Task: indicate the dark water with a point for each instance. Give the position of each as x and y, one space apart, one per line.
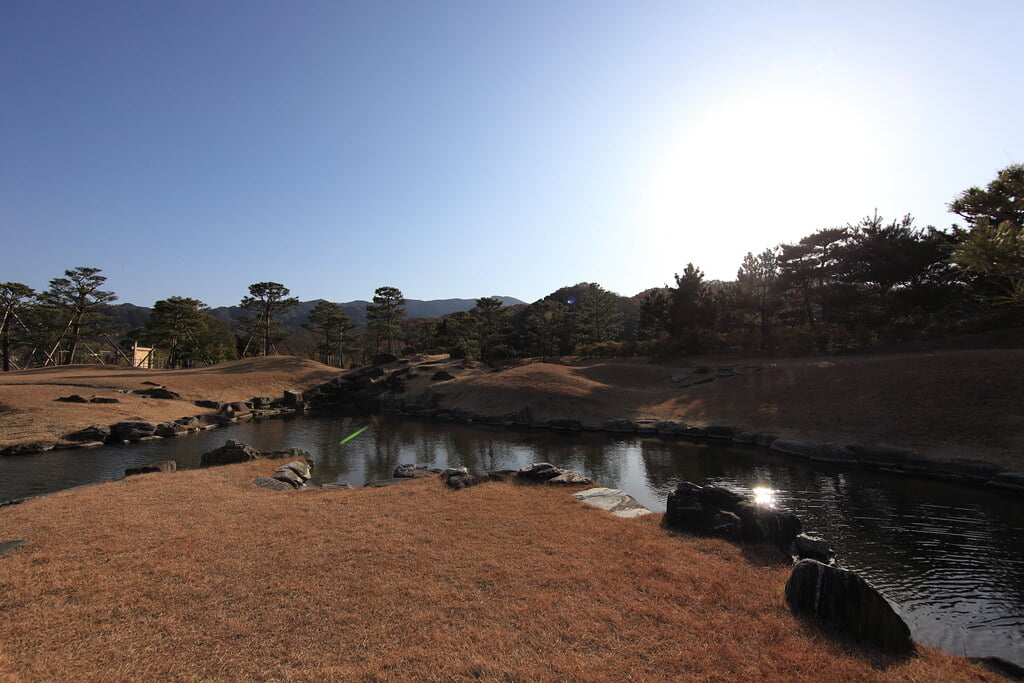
949 558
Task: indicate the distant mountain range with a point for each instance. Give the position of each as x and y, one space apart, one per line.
133 316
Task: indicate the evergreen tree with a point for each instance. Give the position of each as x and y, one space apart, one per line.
332 325
13 298
993 247
184 328
460 334
654 322
546 326
80 302
266 301
384 316
758 284
494 328
594 317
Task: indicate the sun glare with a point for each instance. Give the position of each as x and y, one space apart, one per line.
764 496
763 166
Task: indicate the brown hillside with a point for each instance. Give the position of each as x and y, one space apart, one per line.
950 404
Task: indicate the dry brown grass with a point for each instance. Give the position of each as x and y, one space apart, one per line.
950 404
32 414
200 575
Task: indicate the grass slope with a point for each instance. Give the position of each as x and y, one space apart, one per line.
200 575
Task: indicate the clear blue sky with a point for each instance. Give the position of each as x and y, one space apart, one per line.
462 149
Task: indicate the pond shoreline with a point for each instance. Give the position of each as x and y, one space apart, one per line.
444 386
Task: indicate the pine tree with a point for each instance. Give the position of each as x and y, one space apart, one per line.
78 298
13 297
266 301
384 316
332 325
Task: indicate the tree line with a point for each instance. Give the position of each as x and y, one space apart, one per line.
865 284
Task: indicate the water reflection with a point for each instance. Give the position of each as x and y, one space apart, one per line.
950 558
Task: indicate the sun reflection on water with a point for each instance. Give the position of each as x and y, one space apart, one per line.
764 496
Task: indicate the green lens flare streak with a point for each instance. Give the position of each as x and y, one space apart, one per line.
353 435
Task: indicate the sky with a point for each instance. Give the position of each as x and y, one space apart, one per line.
466 149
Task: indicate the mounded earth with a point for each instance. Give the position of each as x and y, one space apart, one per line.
943 405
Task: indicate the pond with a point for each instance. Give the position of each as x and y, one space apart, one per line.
950 558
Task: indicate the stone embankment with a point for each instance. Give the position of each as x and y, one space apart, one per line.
375 388
137 431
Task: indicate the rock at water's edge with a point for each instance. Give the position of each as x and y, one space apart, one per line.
231 452
845 602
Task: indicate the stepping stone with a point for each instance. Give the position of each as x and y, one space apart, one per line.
614 501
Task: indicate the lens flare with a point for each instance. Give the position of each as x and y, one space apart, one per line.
353 435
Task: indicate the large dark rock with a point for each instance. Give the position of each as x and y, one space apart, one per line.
73 398
131 430
207 403
667 427
289 476
619 425
272 484
231 452
831 453
461 477
158 392
720 432
806 547
441 376
717 511
720 497
91 433
764 524
383 359
292 399
703 510
537 473
170 429
103 399
410 471
30 448
846 603
261 402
